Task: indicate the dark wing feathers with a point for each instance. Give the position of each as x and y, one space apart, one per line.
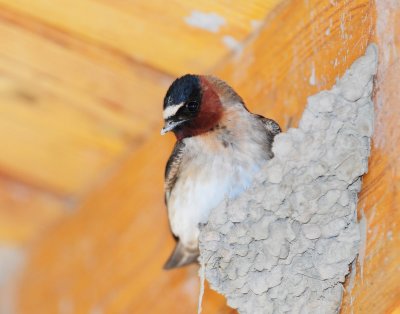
272 129
181 255
270 125
172 167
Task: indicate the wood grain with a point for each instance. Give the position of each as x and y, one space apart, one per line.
107 256
302 49
76 114
376 287
152 32
25 212
115 246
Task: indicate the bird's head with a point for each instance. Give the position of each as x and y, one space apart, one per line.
194 104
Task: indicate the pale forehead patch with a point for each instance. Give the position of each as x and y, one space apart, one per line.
171 110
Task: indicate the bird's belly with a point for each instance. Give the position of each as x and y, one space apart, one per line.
200 189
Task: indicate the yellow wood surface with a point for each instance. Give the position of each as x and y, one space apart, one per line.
376 287
274 72
25 211
153 32
75 108
82 82
82 161
109 254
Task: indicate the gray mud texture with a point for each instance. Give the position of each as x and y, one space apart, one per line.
285 245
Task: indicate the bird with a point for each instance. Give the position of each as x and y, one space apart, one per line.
220 147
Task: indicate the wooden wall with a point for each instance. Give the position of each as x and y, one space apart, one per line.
82 160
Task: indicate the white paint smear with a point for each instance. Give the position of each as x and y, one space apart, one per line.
232 43
12 261
328 31
256 24
207 21
312 79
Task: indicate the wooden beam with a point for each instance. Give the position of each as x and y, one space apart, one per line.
108 255
376 286
115 246
153 32
69 110
25 212
303 47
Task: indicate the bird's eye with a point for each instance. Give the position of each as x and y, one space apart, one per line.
192 106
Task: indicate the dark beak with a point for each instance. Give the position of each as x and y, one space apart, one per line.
170 125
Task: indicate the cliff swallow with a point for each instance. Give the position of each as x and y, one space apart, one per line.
220 147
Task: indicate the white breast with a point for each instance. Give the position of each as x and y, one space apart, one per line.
209 173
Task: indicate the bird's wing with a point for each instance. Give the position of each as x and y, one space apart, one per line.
172 168
181 255
272 129
270 125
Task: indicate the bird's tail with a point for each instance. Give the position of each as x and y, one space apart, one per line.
181 256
